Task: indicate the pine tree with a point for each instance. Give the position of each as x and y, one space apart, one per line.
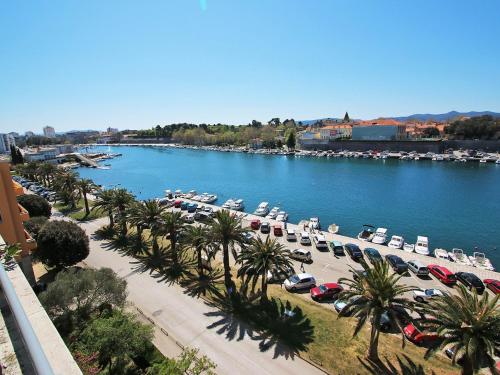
346 117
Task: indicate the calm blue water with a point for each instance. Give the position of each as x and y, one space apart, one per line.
454 204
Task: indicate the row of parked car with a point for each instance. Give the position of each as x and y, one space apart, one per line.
36 188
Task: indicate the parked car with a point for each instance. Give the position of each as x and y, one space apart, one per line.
300 281
416 336
340 304
357 274
337 247
443 274
471 281
304 238
290 235
255 224
265 227
353 251
202 216
493 285
249 236
275 276
301 254
424 295
373 255
177 203
192 207
278 230
184 205
397 264
189 218
320 242
417 267
326 291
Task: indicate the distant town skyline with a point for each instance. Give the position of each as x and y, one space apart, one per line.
94 65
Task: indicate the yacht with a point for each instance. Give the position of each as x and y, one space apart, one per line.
458 256
282 216
333 228
380 236
409 247
262 209
191 194
479 260
314 223
208 198
396 242
238 205
441 254
367 233
273 213
228 204
422 245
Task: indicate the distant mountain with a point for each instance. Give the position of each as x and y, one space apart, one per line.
446 116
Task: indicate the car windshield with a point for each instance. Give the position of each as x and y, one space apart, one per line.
323 288
294 279
430 292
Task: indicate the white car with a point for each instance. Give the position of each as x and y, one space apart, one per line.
290 235
320 242
305 239
300 281
300 254
189 218
423 295
396 242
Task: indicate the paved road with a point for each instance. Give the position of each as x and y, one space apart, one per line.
229 343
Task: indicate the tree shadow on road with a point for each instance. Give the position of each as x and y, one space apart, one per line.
210 283
406 367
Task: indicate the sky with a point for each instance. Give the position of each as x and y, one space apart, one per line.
131 65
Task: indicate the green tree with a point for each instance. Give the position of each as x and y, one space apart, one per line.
35 205
290 138
34 225
104 200
13 155
117 338
188 363
468 323
259 258
372 295
173 224
85 186
346 117
121 199
199 238
65 183
82 292
62 244
227 231
147 214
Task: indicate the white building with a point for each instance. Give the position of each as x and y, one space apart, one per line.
6 140
41 154
49 132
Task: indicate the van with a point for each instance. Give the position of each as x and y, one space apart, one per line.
417 267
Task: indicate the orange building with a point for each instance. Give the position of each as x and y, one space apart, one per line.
12 216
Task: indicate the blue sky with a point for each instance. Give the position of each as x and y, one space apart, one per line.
128 64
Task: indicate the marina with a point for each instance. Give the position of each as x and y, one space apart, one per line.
455 205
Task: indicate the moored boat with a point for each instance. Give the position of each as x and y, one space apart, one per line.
441 254
458 256
333 228
380 236
314 223
396 242
228 204
409 247
262 209
422 245
273 213
238 205
282 216
479 260
366 233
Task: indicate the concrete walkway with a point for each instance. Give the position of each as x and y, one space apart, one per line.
229 343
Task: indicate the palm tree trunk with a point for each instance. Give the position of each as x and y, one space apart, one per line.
85 200
173 247
139 233
111 219
227 268
374 335
467 368
263 287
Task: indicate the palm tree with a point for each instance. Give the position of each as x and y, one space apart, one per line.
172 226
372 295
46 173
121 200
65 184
85 186
104 200
199 238
227 232
259 258
468 323
147 214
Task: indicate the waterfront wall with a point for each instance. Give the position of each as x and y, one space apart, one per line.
419 146
145 141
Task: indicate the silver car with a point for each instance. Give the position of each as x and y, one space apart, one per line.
418 268
301 254
300 281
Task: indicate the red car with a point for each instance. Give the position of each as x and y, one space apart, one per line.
255 224
413 334
177 203
493 285
443 274
278 230
325 291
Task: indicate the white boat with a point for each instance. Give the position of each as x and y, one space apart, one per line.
408 247
314 223
458 256
498 161
396 242
178 192
191 194
168 193
380 236
238 205
262 209
228 204
273 213
208 198
441 254
333 228
282 216
367 233
422 245
479 260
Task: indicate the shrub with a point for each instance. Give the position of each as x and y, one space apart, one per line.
61 244
34 225
35 205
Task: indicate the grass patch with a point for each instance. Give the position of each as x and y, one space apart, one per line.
78 213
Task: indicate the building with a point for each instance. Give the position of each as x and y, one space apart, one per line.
337 131
12 216
6 140
49 132
379 130
41 154
112 130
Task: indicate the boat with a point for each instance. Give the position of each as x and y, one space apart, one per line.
396 242
380 236
458 256
314 223
228 204
441 254
168 194
479 260
333 228
262 209
422 245
273 213
282 216
497 161
190 194
409 247
208 198
238 205
367 233
178 193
